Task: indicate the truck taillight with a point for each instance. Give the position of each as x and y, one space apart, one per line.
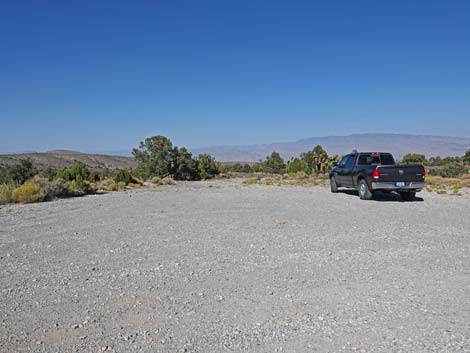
376 173
423 173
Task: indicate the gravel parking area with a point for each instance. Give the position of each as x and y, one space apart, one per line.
223 267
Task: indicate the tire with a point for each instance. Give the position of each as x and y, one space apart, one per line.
364 192
407 195
333 185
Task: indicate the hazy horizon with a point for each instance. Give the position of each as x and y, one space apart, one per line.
428 144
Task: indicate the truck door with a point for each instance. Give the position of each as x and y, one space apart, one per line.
341 171
348 171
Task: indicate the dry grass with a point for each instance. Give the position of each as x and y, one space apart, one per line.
28 193
297 179
6 193
451 186
163 181
107 185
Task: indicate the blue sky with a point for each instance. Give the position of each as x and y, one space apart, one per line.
103 75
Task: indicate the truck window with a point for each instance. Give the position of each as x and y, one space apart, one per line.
386 159
351 161
368 159
343 161
375 158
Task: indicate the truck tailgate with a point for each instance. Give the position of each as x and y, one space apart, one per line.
406 173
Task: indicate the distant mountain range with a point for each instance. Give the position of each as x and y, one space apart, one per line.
398 144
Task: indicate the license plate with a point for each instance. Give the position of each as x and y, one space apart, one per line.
400 183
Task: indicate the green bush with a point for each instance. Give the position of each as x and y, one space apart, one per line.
274 164
122 175
78 172
6 193
449 171
317 160
56 188
18 173
414 158
466 158
207 166
296 165
28 193
156 157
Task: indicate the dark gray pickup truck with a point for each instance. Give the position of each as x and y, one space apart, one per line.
368 172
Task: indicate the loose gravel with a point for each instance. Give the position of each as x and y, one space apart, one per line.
223 267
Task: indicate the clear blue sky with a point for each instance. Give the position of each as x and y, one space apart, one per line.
103 75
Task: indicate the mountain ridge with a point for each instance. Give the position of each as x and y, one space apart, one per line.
398 144
65 158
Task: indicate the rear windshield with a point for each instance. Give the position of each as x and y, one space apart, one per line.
375 158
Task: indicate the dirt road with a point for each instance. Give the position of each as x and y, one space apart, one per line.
221 267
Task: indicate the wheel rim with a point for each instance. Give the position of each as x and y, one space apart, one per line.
363 189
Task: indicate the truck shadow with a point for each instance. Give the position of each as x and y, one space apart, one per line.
382 196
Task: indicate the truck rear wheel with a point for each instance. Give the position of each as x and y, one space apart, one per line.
333 185
407 195
364 192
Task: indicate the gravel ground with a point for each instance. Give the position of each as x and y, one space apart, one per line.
216 267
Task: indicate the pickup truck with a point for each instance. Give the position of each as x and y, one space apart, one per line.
369 172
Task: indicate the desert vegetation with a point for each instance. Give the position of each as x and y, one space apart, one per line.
158 162
156 157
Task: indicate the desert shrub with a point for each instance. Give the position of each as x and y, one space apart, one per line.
466 180
274 164
317 160
466 158
133 186
222 176
251 181
296 165
414 158
48 173
52 189
207 166
6 193
454 170
122 175
235 168
77 173
156 180
184 166
154 157
136 180
28 193
121 185
18 173
96 176
107 185
73 188
168 181
246 168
